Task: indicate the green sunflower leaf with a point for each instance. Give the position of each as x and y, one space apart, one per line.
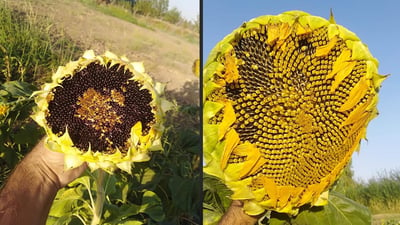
340 210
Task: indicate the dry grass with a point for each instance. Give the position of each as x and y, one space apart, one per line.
386 219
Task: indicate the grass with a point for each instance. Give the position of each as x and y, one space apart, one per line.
380 194
30 50
29 46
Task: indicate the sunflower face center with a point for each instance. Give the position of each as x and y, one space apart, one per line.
98 106
288 103
99 111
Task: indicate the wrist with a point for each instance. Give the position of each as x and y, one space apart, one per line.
28 194
236 215
36 160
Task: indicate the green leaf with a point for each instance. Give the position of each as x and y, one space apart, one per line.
27 134
147 178
211 217
85 180
114 214
66 202
3 93
339 210
131 223
62 207
215 193
152 206
181 190
19 88
9 155
109 186
58 220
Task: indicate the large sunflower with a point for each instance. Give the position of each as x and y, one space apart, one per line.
287 100
103 110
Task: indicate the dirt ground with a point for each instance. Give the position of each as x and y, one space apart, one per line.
168 58
379 219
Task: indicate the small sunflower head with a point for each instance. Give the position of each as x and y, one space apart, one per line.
3 109
103 110
287 100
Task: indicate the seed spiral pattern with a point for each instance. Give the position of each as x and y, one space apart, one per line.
99 105
287 101
283 104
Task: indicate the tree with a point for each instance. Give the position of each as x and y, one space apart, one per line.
161 7
155 8
173 15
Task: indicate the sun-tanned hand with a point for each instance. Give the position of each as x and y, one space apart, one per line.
236 216
30 190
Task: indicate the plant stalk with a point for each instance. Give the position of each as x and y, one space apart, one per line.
100 196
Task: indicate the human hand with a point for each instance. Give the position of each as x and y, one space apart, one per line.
236 215
52 165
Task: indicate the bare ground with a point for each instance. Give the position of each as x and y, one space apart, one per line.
167 57
379 219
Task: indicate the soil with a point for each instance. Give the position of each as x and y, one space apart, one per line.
167 57
379 219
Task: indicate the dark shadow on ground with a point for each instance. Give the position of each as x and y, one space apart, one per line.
189 94
187 115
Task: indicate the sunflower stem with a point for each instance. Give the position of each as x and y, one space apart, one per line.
100 196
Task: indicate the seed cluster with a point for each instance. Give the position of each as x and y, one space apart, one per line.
99 105
285 104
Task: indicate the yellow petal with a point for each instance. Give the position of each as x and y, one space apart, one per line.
338 64
89 54
324 50
231 70
357 113
322 199
227 121
231 141
252 208
71 161
272 33
254 160
359 91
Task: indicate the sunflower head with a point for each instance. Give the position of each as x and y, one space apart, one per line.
287 100
3 109
103 110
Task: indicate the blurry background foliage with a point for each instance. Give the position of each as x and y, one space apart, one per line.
156 9
165 190
156 13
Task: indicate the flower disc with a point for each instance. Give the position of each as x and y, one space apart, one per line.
287 99
103 110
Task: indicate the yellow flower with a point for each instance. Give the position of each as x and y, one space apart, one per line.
196 67
3 109
287 99
103 110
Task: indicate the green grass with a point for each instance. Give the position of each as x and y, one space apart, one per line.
380 194
30 49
